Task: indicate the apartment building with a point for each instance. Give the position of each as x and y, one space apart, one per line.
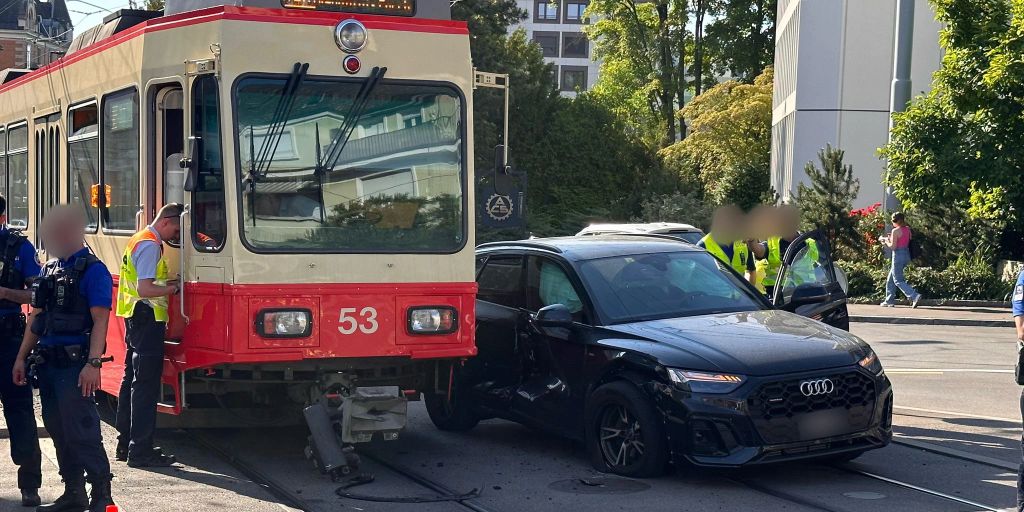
558 28
33 33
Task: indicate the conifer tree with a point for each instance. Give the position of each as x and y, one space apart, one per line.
827 202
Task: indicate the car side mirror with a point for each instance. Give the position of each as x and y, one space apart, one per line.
190 164
809 294
554 320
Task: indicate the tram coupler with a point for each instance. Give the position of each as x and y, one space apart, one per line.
334 430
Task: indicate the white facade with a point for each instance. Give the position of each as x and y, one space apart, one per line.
833 72
558 28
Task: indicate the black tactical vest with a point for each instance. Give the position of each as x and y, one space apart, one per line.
10 275
65 309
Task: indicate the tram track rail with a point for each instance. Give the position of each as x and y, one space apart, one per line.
918 488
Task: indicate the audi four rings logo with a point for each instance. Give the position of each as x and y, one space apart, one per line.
817 387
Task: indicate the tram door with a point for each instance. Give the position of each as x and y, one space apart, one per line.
47 159
167 145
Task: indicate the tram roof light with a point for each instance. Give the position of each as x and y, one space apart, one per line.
350 35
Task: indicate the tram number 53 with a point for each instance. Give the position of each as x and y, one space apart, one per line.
365 322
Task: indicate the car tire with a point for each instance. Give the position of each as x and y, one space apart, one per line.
455 415
621 406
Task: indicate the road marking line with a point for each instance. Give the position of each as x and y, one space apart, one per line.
956 414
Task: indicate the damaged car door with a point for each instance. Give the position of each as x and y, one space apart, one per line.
496 371
553 347
808 282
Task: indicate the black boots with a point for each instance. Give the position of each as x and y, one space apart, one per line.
99 496
30 497
74 498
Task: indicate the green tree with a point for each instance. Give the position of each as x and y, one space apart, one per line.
154 5
642 46
958 147
684 207
741 40
728 151
826 204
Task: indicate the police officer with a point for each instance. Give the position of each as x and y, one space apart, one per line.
67 335
1018 320
142 297
724 241
786 222
17 268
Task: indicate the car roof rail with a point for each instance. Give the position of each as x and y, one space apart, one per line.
641 235
527 244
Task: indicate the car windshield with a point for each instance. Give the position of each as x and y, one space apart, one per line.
397 184
639 287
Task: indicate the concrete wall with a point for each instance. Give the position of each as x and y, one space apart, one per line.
833 70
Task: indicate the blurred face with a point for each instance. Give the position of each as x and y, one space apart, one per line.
789 220
726 224
760 223
62 230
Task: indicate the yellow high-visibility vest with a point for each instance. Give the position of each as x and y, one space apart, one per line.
740 253
128 283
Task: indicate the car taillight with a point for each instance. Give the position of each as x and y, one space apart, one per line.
432 320
284 323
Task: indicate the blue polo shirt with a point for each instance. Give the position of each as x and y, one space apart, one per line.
1018 296
25 262
98 288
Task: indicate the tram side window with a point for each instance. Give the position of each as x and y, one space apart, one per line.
84 160
210 224
17 169
3 162
120 163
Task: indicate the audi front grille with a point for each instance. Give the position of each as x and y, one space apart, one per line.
812 408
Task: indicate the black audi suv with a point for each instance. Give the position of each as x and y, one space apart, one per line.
654 353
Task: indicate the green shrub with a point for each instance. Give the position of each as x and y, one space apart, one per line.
967 278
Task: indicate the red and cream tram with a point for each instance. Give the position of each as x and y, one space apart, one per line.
322 148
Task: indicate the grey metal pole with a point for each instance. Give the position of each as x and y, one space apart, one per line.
899 94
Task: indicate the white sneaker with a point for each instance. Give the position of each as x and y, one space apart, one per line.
916 300
887 305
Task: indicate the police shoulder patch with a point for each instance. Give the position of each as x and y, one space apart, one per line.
1018 293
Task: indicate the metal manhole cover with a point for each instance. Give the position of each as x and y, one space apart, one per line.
599 485
864 495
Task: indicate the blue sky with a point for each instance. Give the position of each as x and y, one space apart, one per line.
86 13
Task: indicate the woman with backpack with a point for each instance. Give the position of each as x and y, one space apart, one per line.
899 243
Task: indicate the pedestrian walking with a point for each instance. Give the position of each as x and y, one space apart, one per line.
1018 320
66 338
18 267
142 299
899 242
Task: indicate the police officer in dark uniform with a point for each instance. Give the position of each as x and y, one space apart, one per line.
17 267
67 333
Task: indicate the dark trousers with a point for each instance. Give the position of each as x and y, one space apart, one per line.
73 424
21 422
140 388
1020 472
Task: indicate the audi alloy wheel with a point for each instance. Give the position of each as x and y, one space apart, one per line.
625 433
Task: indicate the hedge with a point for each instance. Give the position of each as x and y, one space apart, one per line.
968 278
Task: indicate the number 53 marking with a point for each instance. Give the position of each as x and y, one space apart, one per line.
366 323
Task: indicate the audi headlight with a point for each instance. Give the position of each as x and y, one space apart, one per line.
284 323
432 320
705 382
871 363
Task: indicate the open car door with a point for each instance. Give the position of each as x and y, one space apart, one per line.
808 283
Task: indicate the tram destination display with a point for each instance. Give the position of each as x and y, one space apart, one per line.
386 7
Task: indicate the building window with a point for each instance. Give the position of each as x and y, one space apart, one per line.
119 142
574 11
544 12
83 159
548 42
575 44
574 78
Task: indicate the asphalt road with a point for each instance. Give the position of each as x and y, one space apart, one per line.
957 407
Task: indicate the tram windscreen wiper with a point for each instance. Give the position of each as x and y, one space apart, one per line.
260 163
327 161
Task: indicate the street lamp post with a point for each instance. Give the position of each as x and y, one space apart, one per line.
899 94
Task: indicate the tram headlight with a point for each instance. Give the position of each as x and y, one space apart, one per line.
433 320
350 36
284 323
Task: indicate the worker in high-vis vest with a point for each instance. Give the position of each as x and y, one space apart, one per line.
769 254
724 241
143 293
